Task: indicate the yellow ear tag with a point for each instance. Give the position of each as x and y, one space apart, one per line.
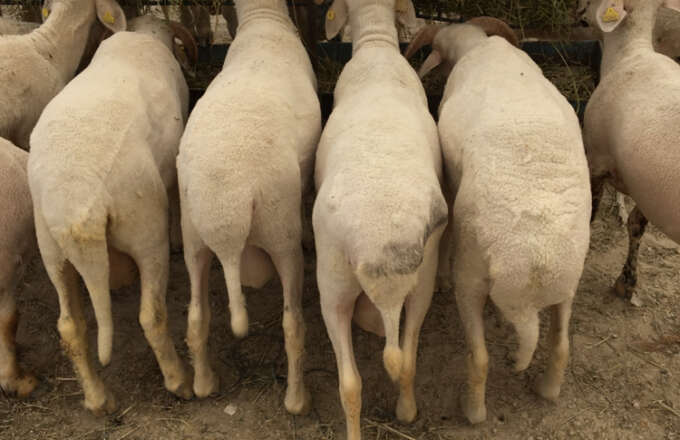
610 15
108 18
401 6
45 12
331 15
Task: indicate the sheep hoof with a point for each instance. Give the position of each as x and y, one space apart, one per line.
107 405
21 385
207 385
298 405
520 363
26 384
184 391
623 289
239 323
475 413
547 390
406 410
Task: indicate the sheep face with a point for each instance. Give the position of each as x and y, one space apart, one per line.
340 10
167 32
607 15
450 43
109 12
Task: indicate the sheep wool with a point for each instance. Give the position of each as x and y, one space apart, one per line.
380 211
17 246
517 171
36 66
102 163
245 160
632 123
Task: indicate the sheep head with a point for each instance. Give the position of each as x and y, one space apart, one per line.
167 31
607 15
443 38
109 13
339 12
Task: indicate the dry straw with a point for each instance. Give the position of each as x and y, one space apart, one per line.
550 15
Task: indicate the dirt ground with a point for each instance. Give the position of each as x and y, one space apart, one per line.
623 380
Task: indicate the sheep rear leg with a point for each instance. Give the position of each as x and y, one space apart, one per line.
12 379
417 305
71 324
625 284
291 271
73 328
147 243
153 317
471 298
339 290
198 259
548 385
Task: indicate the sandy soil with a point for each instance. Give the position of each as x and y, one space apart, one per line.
623 379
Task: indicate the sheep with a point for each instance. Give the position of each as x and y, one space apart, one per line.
666 39
666 35
97 33
245 159
304 15
102 160
17 246
379 212
515 164
632 123
36 66
197 19
9 26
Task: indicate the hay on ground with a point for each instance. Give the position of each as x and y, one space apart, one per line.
555 16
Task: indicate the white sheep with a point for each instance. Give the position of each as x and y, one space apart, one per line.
515 164
632 122
36 66
665 36
379 212
304 15
102 160
196 18
17 246
245 159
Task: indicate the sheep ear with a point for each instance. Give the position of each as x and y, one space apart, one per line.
111 15
336 17
432 61
609 14
406 13
46 9
672 4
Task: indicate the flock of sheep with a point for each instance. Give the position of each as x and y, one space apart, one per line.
494 199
